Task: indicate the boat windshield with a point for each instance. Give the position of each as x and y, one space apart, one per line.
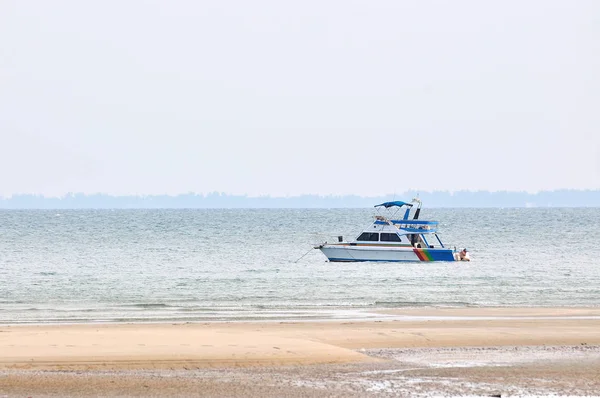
431 241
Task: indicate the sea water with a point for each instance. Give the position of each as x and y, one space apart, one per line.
203 265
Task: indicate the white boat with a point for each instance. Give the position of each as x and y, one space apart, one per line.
388 239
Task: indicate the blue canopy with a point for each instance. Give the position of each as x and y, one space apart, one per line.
398 203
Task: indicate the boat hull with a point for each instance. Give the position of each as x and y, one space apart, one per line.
351 253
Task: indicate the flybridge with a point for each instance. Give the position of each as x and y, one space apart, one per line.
399 204
415 226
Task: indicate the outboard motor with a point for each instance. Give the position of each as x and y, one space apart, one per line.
340 238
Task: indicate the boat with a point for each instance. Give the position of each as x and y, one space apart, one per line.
388 239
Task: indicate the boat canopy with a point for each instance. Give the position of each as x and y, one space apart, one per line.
397 203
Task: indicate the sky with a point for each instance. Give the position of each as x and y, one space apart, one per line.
270 97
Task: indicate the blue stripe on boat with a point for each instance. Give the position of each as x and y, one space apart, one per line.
441 255
436 255
352 260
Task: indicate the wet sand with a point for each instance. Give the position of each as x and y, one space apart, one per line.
499 312
527 351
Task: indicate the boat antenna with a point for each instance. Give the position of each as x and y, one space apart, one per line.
395 212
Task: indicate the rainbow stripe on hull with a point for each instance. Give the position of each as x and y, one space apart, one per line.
423 254
434 255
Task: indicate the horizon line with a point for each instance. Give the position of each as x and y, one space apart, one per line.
567 198
276 196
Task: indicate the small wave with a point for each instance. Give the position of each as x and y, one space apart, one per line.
397 304
200 309
47 273
260 271
148 305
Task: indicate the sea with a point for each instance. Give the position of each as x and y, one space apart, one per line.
204 265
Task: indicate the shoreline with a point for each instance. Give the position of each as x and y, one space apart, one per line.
535 352
251 343
359 315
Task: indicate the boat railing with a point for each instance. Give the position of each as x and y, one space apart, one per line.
420 223
418 230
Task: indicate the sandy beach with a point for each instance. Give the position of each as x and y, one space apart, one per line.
557 345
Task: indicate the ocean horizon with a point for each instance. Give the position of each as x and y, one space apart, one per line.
219 200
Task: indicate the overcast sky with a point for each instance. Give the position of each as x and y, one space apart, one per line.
291 97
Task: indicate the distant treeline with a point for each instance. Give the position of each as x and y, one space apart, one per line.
559 198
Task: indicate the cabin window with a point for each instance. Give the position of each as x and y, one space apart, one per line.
368 237
388 237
